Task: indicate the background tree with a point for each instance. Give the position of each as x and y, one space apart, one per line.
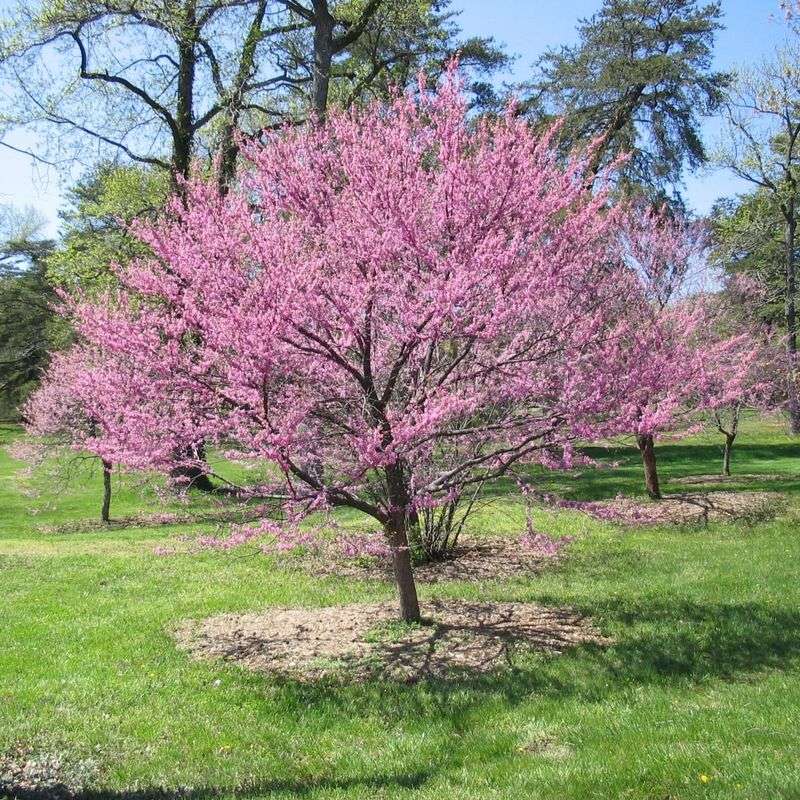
61 417
95 224
29 327
142 79
761 144
405 39
745 372
667 252
636 83
161 83
748 246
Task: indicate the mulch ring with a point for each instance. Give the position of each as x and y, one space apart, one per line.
736 478
362 641
473 559
688 508
31 774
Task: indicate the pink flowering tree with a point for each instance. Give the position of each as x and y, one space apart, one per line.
395 306
667 250
667 365
747 370
59 415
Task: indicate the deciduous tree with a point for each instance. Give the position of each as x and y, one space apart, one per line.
64 413
666 252
387 284
29 326
761 144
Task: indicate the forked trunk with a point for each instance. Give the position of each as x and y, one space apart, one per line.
106 509
648 451
726 456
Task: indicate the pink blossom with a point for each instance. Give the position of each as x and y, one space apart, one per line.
360 545
543 545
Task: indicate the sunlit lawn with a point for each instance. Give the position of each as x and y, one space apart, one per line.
698 698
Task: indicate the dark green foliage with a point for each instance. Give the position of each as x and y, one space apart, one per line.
29 327
94 235
638 81
748 233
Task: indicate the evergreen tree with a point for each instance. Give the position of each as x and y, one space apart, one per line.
637 83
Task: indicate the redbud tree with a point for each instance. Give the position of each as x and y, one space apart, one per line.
397 284
747 370
667 363
66 412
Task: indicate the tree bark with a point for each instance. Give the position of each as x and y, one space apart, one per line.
726 455
793 404
229 150
106 509
647 449
183 131
397 534
192 475
323 57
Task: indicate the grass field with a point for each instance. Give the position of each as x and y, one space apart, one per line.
698 698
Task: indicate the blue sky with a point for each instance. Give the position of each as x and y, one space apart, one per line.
527 27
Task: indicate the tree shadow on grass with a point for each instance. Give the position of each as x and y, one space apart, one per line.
674 644
666 644
297 788
675 461
694 642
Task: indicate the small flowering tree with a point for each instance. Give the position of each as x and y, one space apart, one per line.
667 250
752 386
58 415
747 356
396 306
667 366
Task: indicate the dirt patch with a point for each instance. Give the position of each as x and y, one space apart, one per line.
361 641
26 773
473 559
547 747
687 508
713 480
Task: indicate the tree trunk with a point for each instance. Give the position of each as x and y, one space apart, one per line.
183 132
621 117
323 57
228 149
726 456
106 509
397 533
192 475
793 404
647 449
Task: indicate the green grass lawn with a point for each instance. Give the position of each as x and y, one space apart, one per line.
698 698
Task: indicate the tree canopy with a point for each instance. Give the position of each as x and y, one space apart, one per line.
637 84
